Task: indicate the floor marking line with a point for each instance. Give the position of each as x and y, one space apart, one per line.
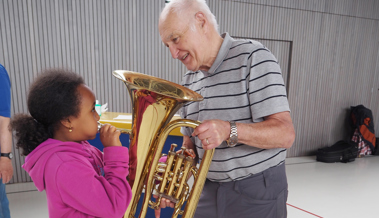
304 210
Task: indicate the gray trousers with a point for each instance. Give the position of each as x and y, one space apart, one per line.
263 195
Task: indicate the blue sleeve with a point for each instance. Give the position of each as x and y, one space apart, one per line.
5 93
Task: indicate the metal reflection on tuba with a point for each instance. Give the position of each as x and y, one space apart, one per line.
155 102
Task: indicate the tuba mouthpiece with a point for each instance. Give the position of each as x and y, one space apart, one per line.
123 131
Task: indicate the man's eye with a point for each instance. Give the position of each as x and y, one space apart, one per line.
175 39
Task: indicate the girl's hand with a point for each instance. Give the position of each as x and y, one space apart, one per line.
110 136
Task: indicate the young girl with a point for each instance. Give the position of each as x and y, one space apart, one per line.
78 179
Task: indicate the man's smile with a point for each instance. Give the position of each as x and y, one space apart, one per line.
184 57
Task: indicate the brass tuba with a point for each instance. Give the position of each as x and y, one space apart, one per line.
155 102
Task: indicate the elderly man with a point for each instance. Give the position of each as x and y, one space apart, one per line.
245 113
6 168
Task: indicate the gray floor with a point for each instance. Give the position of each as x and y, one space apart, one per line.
316 189
346 190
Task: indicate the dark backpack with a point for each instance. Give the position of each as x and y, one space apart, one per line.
341 151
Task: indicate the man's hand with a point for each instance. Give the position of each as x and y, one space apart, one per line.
212 133
164 203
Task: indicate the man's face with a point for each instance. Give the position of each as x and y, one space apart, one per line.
184 42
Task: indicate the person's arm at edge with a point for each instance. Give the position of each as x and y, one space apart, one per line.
6 168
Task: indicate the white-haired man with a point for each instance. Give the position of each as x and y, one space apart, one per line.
245 113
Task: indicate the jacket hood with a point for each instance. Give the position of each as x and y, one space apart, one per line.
35 162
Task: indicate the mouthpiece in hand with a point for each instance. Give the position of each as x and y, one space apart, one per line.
99 125
123 131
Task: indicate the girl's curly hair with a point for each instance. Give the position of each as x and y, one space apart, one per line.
53 96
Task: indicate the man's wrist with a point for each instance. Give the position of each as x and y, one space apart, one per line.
233 137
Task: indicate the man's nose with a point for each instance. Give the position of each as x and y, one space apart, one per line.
174 52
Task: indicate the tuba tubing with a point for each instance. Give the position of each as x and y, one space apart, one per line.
198 185
155 102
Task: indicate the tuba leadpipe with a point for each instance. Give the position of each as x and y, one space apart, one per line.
155 102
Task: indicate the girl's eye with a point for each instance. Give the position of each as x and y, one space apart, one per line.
93 109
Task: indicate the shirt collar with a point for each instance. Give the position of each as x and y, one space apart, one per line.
222 53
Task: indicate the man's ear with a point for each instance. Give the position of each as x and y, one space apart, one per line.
201 19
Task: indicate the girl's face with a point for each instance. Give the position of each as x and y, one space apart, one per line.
84 126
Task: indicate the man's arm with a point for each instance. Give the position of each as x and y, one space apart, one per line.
6 168
276 131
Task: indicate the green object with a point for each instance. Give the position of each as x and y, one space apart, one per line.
98 107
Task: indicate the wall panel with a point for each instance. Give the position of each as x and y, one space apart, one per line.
328 51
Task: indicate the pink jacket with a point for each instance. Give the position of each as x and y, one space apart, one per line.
79 180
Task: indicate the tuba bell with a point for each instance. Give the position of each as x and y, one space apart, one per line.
155 101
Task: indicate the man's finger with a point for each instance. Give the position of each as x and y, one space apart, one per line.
157 213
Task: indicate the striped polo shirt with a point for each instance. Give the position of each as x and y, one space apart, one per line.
244 84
